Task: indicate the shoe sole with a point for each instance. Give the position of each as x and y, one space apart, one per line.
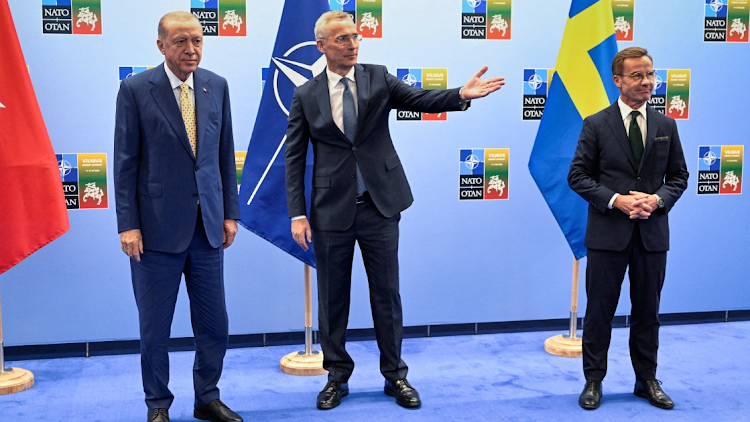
201 416
588 407
399 402
327 407
643 395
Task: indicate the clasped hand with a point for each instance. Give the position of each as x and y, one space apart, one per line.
636 205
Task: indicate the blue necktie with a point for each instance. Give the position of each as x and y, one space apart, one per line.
350 127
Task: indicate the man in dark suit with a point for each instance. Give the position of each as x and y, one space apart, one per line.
630 168
177 209
359 190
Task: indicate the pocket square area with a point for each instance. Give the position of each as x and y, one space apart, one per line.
662 138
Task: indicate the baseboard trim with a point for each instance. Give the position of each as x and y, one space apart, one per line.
105 348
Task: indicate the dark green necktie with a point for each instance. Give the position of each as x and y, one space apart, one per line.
636 139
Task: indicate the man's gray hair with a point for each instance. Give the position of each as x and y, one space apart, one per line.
321 25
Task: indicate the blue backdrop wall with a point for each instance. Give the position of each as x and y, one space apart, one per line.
462 261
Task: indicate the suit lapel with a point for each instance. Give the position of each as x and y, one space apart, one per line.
362 79
161 91
651 126
614 120
203 101
324 103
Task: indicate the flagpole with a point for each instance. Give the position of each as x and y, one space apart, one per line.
568 345
12 380
308 361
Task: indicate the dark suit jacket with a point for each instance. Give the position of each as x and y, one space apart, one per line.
334 180
604 164
157 178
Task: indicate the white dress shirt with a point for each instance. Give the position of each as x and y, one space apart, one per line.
176 82
625 111
336 93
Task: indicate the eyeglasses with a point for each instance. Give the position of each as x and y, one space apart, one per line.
638 76
354 38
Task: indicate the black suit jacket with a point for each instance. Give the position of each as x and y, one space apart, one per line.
604 164
334 179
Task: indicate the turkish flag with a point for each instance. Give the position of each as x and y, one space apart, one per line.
32 204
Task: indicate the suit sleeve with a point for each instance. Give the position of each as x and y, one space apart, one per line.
584 169
676 174
227 164
297 141
411 98
127 151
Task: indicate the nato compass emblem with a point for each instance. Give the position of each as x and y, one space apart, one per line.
295 71
296 66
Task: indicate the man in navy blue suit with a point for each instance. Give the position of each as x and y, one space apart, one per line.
630 168
177 208
359 191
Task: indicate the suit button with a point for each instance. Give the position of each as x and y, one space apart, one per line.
354 148
353 175
197 168
638 178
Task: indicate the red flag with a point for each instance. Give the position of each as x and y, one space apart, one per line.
32 204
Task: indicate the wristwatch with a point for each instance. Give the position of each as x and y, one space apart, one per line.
659 201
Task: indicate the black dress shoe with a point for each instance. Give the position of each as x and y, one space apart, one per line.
157 415
404 393
216 411
591 396
652 391
331 395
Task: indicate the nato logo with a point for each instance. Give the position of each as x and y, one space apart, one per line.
57 17
474 6
471 174
473 19
709 170
71 17
128 71
535 88
411 77
207 12
68 166
658 98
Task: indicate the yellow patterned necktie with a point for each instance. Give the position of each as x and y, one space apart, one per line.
188 115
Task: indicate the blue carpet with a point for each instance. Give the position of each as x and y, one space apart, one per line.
705 368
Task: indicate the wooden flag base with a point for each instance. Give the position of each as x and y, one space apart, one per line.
565 346
298 363
16 380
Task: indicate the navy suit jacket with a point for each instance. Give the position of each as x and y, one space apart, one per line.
604 164
334 179
158 179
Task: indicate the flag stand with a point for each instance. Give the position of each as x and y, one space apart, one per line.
309 361
12 380
568 345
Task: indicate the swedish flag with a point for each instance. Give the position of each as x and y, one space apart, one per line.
581 86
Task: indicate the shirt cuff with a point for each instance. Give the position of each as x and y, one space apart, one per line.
298 217
612 201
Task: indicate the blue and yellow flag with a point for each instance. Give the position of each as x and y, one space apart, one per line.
295 60
581 86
